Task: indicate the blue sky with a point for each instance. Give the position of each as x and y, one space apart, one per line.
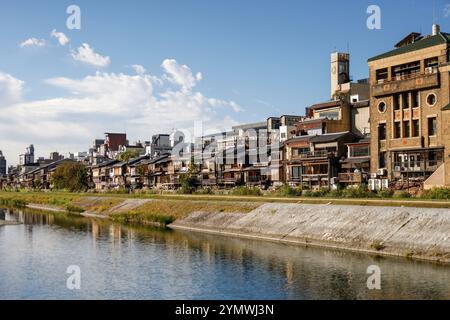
256 59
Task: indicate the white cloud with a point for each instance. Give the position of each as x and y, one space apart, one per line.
61 37
10 90
139 69
180 74
105 102
33 42
87 55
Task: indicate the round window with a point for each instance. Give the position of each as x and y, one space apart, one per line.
431 99
382 107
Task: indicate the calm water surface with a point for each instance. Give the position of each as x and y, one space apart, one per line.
135 263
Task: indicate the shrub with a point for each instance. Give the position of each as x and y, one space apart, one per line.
203 191
385 193
287 191
401 194
323 192
246 191
437 193
74 209
360 192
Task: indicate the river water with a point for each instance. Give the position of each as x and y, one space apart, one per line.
118 262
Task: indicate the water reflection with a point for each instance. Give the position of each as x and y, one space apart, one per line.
125 262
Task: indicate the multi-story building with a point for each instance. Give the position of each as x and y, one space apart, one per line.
409 110
2 164
314 155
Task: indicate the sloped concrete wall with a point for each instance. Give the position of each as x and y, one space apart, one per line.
409 232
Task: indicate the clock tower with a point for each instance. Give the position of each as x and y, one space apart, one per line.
340 71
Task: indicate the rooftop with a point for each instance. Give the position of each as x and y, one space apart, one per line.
421 43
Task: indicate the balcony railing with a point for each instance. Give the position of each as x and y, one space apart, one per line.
315 154
350 177
417 166
402 83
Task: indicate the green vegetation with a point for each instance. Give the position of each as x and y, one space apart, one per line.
437 193
74 209
127 155
287 191
246 191
188 183
12 202
378 245
73 177
164 212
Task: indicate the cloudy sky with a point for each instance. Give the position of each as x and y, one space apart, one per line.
145 67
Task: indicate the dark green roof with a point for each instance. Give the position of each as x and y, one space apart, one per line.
423 43
446 108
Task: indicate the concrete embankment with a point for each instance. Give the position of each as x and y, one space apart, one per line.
9 223
418 233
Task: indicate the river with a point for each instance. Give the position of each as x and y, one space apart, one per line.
119 262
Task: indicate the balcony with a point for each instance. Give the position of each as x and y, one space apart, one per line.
350 177
417 166
315 154
404 83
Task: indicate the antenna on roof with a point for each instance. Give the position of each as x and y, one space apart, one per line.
348 47
434 11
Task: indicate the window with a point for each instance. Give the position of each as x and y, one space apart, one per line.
431 62
382 107
330 114
406 129
416 128
382 160
406 71
296 172
382 131
431 99
432 126
397 130
397 98
405 98
415 98
382 75
359 151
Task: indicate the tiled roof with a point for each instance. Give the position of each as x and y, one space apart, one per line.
446 108
423 43
330 137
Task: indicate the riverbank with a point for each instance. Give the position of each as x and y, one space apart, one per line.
405 232
417 233
8 223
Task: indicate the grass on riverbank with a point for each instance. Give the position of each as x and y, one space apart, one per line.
166 211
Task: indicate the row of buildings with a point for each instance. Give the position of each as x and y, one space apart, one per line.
391 130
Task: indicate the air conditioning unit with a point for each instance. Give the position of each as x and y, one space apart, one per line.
385 184
381 172
397 169
429 70
374 175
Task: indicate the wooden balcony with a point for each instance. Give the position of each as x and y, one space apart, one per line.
315 154
406 83
350 177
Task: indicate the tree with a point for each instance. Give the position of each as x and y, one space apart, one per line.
189 181
127 155
73 177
